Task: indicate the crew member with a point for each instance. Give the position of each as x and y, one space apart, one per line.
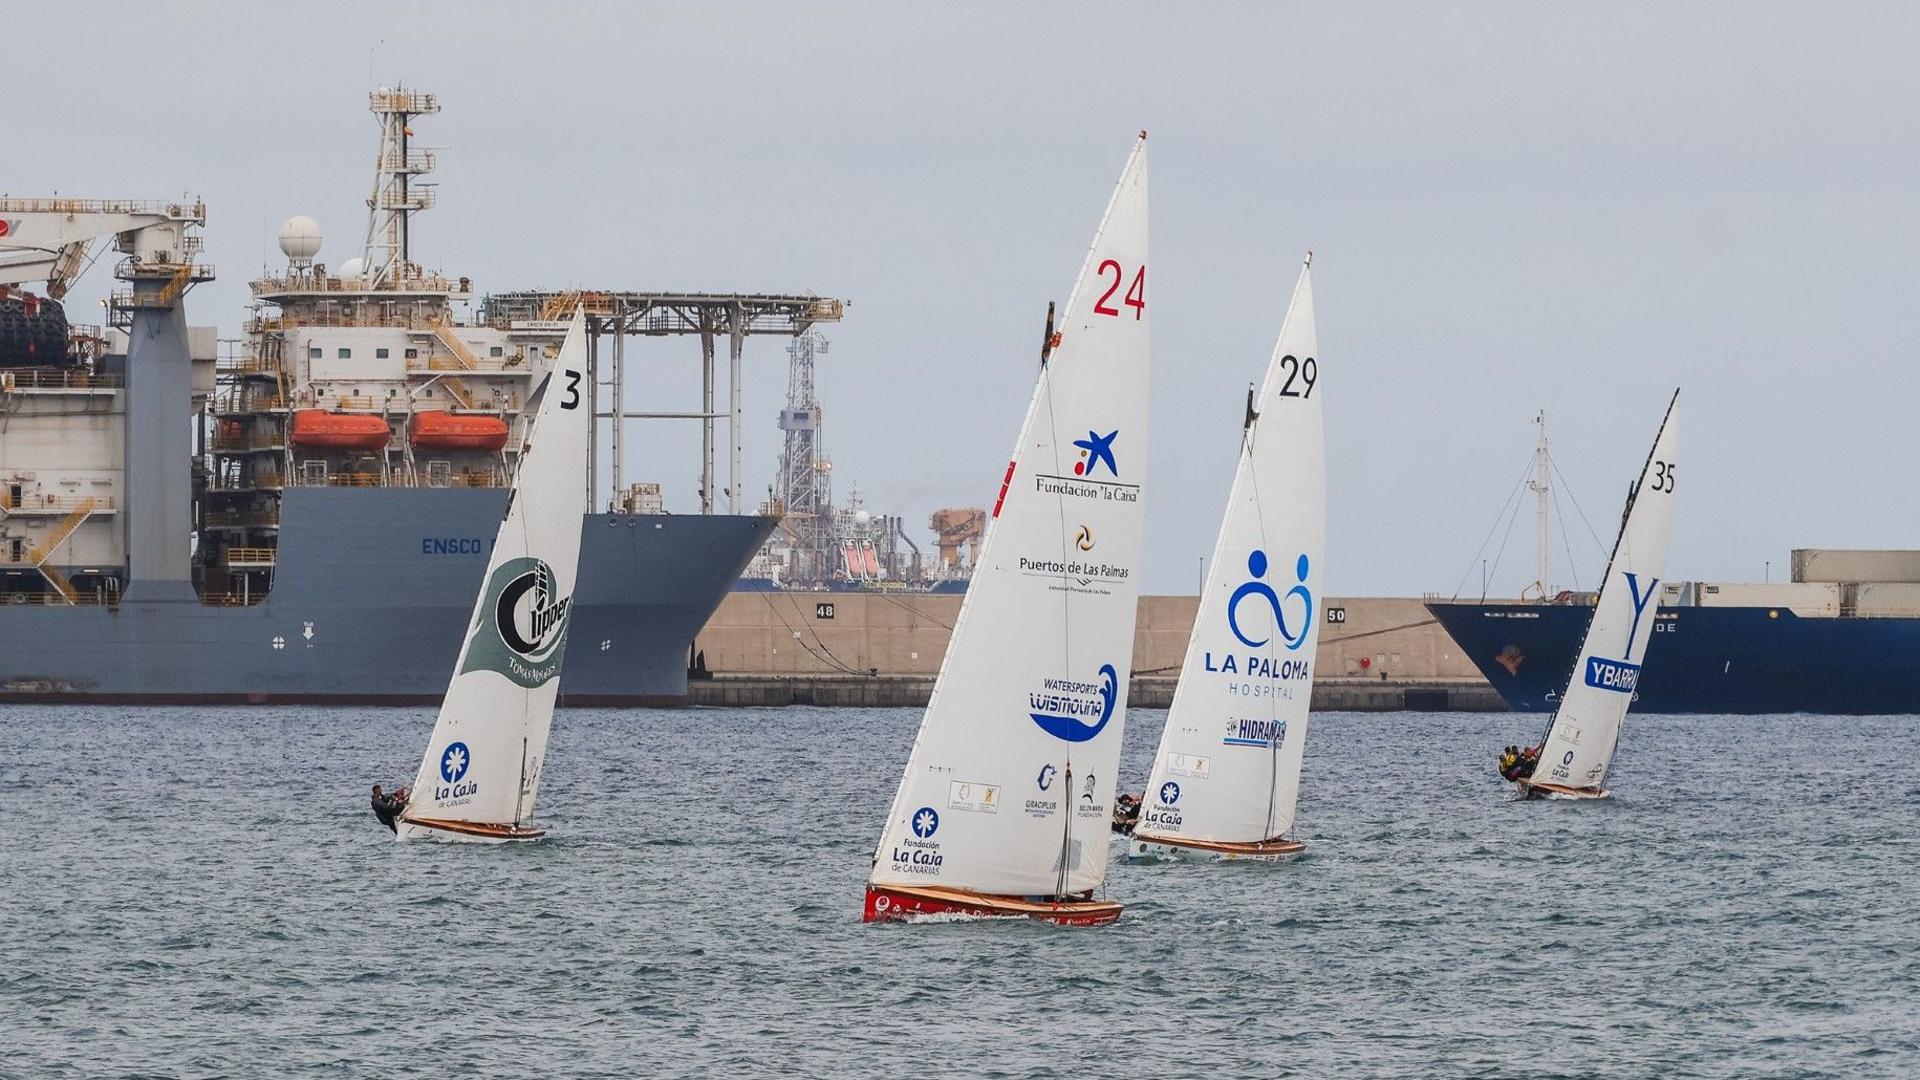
387 807
1126 814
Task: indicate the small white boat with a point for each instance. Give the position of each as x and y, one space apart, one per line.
1226 780
480 775
1578 747
1006 801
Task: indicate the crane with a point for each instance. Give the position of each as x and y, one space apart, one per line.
49 239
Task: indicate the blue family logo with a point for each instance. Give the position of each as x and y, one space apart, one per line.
1096 450
454 763
1257 570
1169 793
926 821
1075 711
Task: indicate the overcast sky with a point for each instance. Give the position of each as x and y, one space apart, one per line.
1512 208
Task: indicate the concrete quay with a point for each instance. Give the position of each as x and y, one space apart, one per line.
884 649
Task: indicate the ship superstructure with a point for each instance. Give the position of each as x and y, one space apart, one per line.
309 521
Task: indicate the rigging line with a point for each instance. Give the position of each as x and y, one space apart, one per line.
913 610
1511 522
824 654
1566 540
1591 531
1384 630
1512 497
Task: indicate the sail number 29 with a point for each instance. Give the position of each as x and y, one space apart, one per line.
1136 296
1663 475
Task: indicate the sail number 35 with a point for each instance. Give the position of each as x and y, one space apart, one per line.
1136 295
1663 475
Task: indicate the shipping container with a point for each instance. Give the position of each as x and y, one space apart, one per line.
1843 564
1884 599
1806 599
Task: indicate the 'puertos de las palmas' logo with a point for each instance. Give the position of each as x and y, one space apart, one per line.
521 631
1075 711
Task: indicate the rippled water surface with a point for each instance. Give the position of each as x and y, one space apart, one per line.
203 893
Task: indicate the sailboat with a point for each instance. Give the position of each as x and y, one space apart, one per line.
480 774
1577 750
1226 779
1005 804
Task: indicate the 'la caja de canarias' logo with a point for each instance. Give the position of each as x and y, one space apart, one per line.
1257 568
521 629
1072 710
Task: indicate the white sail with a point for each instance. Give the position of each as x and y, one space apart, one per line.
1580 741
1009 789
1228 768
482 763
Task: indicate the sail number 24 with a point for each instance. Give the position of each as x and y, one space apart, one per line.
1136 295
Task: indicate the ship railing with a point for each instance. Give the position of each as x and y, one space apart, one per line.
248 556
53 504
509 364
195 211
248 365
233 599
246 442
54 599
57 379
355 479
241 518
327 283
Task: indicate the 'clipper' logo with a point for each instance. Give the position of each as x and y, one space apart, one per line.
521 629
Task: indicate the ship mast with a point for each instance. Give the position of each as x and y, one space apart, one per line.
1538 486
395 193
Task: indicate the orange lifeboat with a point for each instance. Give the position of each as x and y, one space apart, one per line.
317 429
440 430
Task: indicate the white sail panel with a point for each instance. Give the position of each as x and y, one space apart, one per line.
1009 789
482 762
1580 742
1228 767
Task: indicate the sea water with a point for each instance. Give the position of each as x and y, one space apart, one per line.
203 892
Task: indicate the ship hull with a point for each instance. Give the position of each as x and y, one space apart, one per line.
1728 660
372 593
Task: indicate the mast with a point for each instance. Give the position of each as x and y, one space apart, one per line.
395 197
1538 485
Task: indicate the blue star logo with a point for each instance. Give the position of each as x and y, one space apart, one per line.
453 763
1169 793
1096 449
925 821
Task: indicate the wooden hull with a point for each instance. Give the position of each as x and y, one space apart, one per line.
1144 847
1530 790
901 903
466 832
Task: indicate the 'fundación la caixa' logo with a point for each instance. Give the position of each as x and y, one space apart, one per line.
521 631
1622 676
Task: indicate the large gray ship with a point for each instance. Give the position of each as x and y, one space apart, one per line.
306 518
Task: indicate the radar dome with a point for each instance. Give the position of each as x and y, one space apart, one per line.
861 518
352 268
300 239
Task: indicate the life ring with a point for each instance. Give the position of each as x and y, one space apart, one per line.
17 598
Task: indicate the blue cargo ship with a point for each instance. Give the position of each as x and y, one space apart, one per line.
1840 647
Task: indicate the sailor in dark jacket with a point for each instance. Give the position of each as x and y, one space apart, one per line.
388 807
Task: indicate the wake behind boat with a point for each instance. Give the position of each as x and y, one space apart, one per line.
1226 780
1004 806
1579 743
480 775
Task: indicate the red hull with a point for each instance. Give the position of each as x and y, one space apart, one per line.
893 903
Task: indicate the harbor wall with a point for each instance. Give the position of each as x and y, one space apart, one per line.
884 649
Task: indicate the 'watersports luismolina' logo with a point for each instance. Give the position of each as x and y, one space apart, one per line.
521 631
1073 710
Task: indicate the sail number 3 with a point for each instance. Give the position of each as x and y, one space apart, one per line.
1136 295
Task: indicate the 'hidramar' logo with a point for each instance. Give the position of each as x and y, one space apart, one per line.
521 631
